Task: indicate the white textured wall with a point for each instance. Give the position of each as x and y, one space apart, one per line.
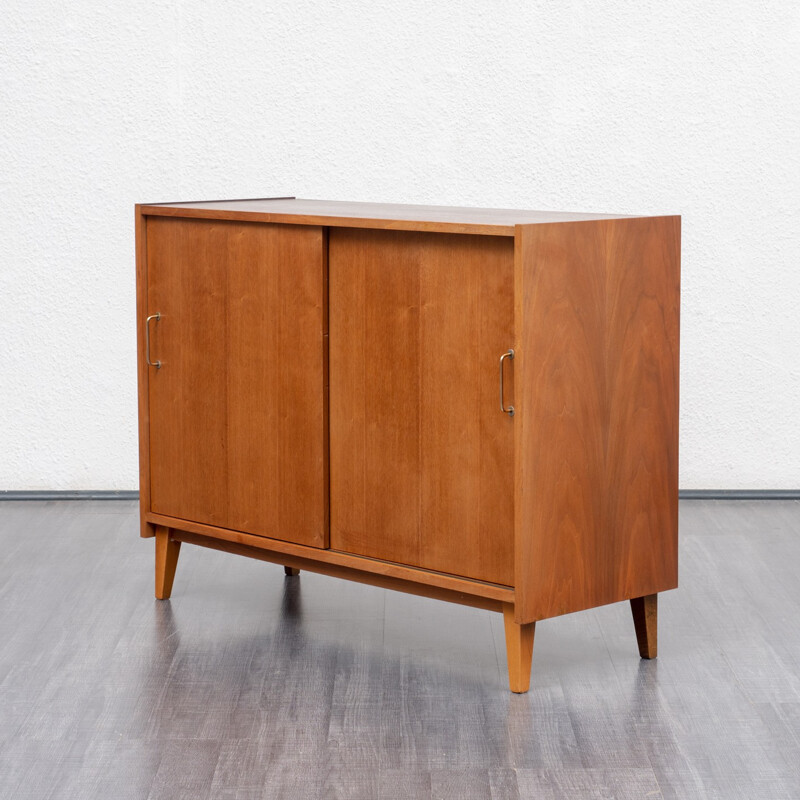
631 107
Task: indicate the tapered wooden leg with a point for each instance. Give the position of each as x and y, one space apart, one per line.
166 561
519 650
291 571
645 620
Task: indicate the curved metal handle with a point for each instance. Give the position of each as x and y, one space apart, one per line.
156 317
510 409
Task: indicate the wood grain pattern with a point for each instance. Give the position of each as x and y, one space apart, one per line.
597 447
167 552
385 216
275 443
645 621
146 529
421 455
237 412
188 394
519 650
283 550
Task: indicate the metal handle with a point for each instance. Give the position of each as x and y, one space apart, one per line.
156 317
510 409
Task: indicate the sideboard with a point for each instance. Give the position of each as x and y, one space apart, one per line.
474 405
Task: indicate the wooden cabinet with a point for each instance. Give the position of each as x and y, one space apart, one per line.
471 404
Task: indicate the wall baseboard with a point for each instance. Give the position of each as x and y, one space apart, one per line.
739 494
112 494
69 494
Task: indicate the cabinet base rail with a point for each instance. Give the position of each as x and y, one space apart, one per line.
519 637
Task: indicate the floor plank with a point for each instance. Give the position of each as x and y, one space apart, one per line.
248 685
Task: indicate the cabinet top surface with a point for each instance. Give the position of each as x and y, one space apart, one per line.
495 221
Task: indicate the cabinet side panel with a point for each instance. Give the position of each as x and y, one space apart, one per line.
146 529
597 471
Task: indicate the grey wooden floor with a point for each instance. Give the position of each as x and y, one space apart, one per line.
249 685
